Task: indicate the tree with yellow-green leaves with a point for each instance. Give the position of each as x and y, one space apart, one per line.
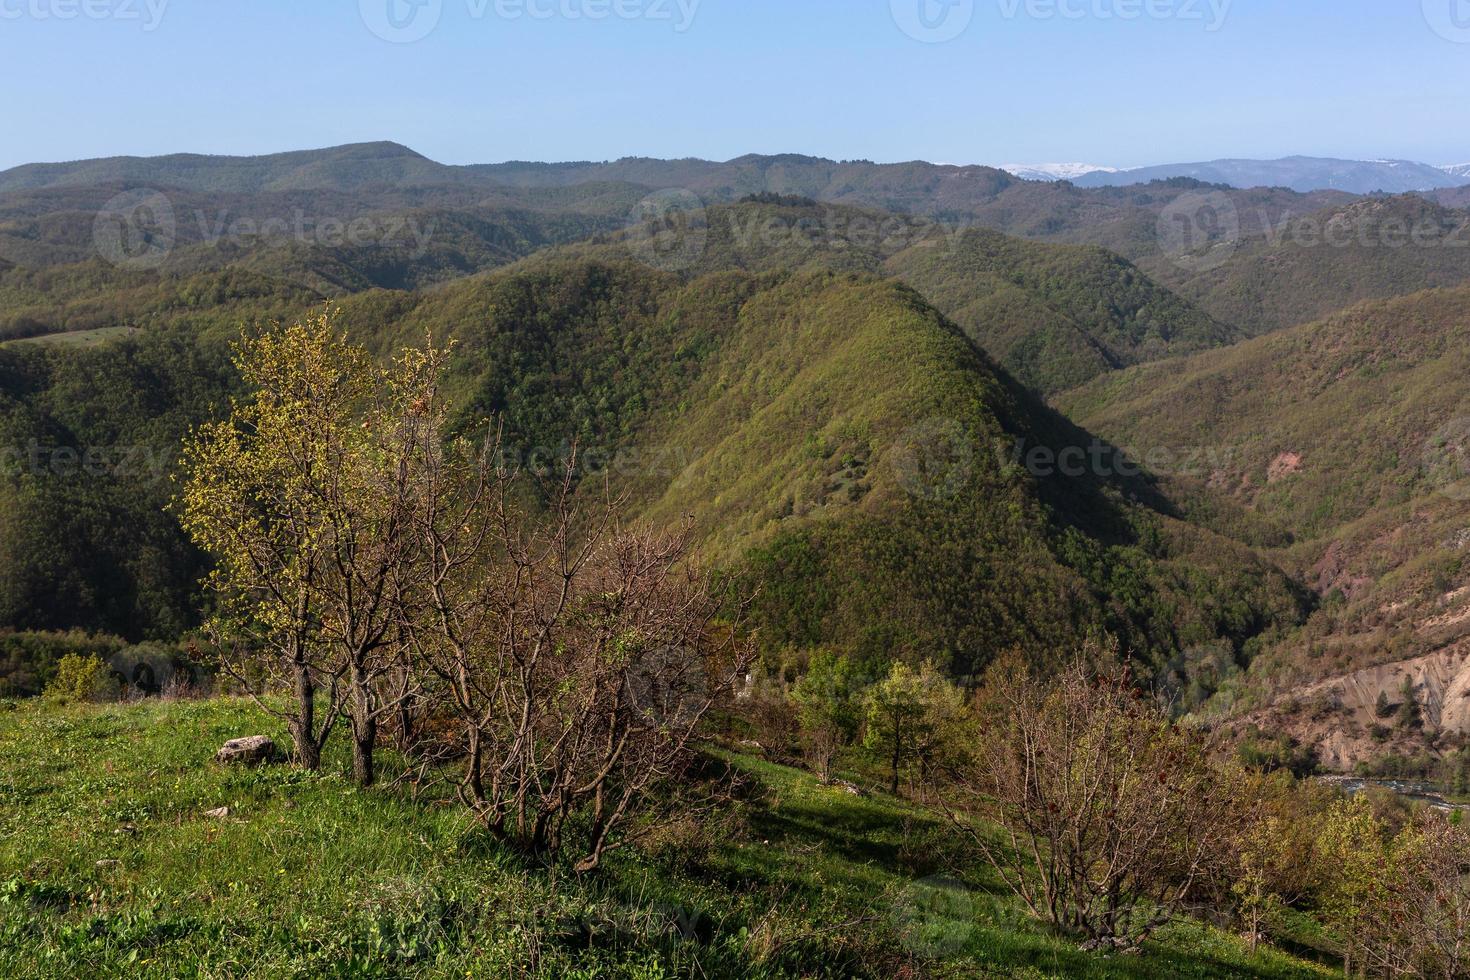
302 497
911 717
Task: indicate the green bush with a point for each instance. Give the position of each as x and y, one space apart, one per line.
81 678
28 661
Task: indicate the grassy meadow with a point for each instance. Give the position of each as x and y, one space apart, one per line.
111 866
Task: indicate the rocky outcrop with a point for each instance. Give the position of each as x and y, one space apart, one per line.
251 751
1340 716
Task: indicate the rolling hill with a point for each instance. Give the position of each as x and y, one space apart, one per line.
832 436
1310 265
1349 436
1298 173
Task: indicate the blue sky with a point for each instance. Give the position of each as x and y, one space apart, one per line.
1114 82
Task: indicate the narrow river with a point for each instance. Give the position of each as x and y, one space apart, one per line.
1427 793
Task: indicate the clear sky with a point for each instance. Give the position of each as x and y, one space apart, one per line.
1111 82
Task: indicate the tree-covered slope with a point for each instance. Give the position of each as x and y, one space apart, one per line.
1349 435
835 436
1309 265
1052 315
1056 315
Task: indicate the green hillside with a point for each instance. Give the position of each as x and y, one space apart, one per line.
1310 265
829 433
1348 434
1054 316
306 877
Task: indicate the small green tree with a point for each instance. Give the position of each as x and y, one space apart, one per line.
828 709
1352 841
1410 715
1273 861
910 717
301 495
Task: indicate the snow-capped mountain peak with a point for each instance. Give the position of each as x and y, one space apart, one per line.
1053 171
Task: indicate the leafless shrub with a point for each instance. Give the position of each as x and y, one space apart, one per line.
577 656
1109 814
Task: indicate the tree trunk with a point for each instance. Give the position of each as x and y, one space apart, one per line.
474 768
364 735
897 751
303 725
364 732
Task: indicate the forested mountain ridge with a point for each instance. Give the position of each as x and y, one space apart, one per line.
829 433
1053 315
755 366
1350 435
1305 266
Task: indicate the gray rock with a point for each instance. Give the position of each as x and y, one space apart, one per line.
251 751
219 814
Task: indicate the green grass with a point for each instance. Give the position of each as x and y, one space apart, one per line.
74 338
311 877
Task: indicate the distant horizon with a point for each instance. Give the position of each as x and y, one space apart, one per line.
1115 82
1076 160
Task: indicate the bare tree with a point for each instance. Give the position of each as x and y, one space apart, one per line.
1109 814
576 656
